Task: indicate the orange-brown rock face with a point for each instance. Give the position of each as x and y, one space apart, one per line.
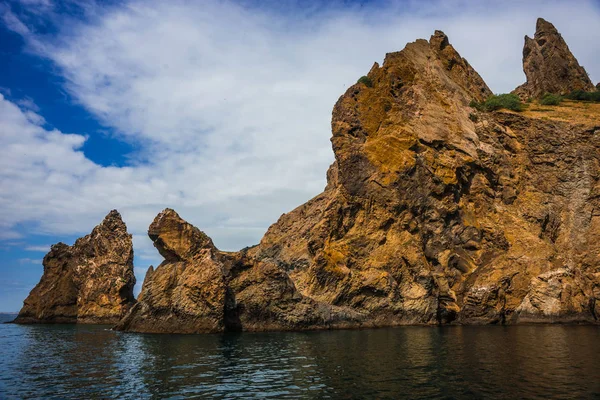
549 65
199 289
433 213
89 282
186 293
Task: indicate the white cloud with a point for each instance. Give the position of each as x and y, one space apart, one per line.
12 22
230 105
41 248
29 261
27 103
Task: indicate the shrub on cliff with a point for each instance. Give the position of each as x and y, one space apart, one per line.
507 101
584 96
365 80
476 105
550 99
496 102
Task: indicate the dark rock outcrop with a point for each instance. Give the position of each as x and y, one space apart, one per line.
89 282
549 65
428 217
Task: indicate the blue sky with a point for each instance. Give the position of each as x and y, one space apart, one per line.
219 109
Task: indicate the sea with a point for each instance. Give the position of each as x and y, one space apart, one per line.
450 362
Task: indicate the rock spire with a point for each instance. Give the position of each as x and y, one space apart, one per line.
549 65
89 282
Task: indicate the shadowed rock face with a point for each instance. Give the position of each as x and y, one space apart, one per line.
89 282
549 65
428 217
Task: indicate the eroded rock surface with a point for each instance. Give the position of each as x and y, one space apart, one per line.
89 282
549 65
185 293
199 289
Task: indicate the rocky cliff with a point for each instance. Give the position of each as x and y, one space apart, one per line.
549 65
433 213
89 282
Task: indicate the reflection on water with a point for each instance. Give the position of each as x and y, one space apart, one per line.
408 362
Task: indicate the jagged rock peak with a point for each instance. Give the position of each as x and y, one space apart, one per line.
89 282
439 40
549 65
425 88
113 220
176 239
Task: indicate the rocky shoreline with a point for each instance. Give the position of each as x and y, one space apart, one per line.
435 212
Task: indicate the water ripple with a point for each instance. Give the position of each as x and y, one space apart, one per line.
537 362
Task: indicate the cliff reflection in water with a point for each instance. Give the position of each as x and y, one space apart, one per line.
414 362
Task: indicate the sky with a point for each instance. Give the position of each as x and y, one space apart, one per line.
218 109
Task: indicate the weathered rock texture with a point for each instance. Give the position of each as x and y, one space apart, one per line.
428 217
89 282
549 65
187 292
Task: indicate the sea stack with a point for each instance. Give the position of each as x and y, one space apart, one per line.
186 292
549 65
89 282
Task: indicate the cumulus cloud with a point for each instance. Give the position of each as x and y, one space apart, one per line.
229 105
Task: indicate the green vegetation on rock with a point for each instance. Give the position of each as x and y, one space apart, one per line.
365 80
584 96
550 99
496 102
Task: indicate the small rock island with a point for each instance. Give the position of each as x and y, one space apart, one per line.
90 282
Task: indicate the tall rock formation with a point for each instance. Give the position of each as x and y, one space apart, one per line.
549 65
199 289
433 213
89 282
187 290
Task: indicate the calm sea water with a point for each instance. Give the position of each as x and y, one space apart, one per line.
54 361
